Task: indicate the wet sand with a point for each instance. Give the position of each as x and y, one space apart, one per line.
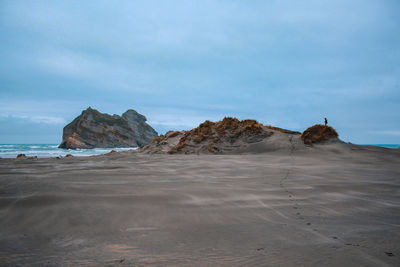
331 205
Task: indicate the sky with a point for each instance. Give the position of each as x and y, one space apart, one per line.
179 63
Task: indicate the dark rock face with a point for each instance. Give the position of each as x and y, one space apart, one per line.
93 129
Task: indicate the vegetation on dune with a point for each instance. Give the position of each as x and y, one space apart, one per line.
161 139
213 132
318 133
213 137
171 134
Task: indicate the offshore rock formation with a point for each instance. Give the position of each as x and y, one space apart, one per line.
93 129
229 136
319 133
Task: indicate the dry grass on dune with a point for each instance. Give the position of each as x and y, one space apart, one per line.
213 137
318 133
213 132
159 139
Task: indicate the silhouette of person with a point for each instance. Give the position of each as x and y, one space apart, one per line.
326 121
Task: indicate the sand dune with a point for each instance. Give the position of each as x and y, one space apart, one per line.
228 136
280 203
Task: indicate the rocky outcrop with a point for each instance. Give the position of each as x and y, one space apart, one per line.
93 129
229 136
23 156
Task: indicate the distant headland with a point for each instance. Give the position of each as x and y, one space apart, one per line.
93 129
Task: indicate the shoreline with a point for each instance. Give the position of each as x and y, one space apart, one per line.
105 151
51 150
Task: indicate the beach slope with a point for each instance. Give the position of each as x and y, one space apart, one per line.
331 204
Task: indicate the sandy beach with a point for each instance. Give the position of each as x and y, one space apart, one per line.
326 205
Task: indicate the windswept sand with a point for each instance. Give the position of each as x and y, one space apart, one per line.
331 205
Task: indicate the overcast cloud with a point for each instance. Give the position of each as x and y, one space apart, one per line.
285 63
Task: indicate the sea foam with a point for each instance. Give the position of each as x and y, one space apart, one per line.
50 150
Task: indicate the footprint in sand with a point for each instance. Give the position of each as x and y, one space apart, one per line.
354 245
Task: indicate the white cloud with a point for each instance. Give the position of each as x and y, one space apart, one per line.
48 120
36 119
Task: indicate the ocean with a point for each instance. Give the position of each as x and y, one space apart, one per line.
386 145
50 150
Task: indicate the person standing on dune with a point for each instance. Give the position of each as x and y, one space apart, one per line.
326 122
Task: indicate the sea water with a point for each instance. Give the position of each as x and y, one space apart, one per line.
51 150
387 145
